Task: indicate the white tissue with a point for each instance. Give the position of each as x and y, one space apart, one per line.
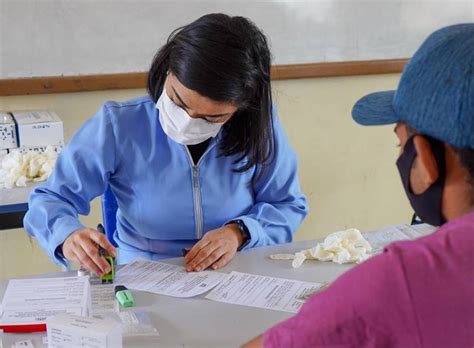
340 247
17 169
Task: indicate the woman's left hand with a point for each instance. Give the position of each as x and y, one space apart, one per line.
215 249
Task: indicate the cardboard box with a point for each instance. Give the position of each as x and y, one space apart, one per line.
39 128
8 139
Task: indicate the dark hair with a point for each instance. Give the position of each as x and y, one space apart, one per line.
466 156
226 59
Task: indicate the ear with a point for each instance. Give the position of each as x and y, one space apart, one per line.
426 165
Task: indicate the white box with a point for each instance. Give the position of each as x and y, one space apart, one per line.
40 149
39 128
72 331
8 138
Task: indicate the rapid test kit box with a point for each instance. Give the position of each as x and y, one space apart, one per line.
72 331
8 138
39 128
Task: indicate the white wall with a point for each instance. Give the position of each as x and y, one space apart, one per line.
71 37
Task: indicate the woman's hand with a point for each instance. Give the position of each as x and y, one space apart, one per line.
81 247
215 249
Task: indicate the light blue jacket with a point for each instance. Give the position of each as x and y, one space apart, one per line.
165 202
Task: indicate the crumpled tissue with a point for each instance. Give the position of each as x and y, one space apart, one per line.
17 169
341 247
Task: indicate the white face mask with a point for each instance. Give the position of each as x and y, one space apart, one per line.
181 127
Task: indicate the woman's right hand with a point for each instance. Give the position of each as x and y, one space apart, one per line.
81 247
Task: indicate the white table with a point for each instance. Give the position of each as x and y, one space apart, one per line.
13 205
15 199
198 322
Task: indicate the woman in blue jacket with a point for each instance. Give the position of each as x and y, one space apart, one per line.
200 163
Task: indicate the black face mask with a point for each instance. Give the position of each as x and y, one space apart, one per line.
427 205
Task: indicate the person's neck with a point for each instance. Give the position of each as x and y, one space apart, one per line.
458 200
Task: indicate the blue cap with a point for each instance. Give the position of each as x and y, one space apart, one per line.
435 95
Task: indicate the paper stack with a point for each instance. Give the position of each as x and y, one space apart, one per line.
28 303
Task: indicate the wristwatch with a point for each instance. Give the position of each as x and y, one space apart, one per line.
59 252
244 231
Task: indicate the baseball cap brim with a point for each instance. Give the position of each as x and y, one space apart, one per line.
375 109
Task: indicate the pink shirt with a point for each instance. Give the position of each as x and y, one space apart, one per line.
415 294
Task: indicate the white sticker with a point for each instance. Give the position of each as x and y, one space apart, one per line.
23 344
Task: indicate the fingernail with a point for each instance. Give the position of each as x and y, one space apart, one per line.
214 267
198 269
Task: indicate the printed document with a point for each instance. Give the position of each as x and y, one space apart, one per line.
165 279
381 238
263 292
32 301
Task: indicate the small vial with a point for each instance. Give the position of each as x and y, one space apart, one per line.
82 272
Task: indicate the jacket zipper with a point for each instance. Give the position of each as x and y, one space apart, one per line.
196 191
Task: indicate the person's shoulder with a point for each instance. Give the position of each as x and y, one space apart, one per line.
117 106
133 113
464 227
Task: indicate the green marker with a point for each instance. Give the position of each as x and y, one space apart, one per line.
124 296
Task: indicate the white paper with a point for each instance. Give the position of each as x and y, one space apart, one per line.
381 238
262 292
103 299
30 301
165 279
416 231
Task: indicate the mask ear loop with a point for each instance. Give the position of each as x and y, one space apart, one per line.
414 219
437 148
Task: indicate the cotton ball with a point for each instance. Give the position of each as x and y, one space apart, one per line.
21 181
35 166
298 260
340 247
17 169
